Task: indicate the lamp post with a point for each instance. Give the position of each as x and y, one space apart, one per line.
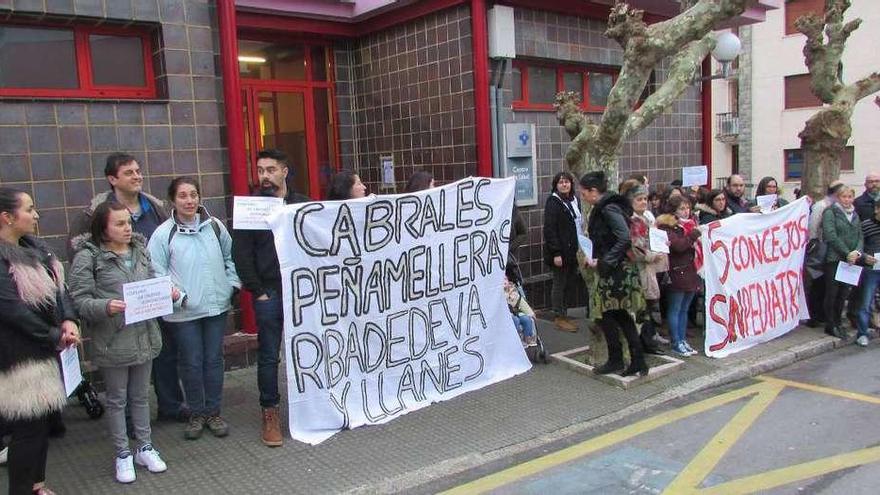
727 48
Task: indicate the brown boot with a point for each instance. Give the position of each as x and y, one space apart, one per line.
565 324
272 427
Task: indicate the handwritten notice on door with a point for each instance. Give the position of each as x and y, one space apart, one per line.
147 299
251 212
695 176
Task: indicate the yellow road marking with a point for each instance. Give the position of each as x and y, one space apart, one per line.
791 474
548 461
690 478
822 390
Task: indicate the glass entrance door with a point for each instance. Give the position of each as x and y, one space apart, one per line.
288 104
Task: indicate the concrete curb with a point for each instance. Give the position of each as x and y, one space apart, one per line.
739 371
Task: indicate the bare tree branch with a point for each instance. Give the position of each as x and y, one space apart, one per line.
669 36
866 86
680 76
823 57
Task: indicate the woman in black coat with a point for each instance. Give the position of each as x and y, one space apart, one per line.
562 219
37 319
616 297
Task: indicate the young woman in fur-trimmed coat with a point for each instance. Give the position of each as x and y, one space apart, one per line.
37 319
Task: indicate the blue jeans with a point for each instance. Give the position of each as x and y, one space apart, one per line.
677 314
166 383
270 330
870 282
524 325
200 357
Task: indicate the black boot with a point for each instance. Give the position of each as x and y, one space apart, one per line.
609 368
636 366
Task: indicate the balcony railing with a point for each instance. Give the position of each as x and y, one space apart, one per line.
727 127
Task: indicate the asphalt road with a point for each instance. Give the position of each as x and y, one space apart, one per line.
809 428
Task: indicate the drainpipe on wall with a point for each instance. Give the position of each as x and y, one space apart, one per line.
238 173
482 122
497 100
706 108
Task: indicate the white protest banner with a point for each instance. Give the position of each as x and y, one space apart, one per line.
848 274
694 176
394 302
251 212
70 369
754 285
658 240
147 299
766 202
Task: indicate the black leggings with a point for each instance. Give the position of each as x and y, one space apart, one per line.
835 297
28 450
614 322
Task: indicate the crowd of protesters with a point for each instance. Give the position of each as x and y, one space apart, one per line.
127 235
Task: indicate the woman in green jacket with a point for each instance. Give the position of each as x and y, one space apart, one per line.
107 257
842 232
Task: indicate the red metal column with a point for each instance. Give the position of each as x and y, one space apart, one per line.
481 88
706 108
238 173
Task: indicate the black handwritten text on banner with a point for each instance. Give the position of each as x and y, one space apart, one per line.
394 302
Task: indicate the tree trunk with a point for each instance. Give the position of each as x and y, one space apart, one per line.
823 140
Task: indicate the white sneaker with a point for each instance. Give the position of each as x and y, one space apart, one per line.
125 469
148 457
4 454
862 341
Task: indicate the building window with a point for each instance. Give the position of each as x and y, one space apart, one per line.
734 159
535 84
48 61
797 8
794 162
798 93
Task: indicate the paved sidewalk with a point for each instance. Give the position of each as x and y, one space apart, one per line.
530 410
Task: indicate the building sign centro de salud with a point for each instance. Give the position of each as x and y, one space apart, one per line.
394 302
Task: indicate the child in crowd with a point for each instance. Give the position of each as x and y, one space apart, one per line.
522 314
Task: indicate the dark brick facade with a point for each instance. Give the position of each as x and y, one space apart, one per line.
56 150
672 141
409 92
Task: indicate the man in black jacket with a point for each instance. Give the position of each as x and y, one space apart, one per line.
257 265
865 203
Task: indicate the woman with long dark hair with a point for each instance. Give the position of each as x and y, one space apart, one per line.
768 185
346 184
685 283
616 298
562 220
712 207
37 319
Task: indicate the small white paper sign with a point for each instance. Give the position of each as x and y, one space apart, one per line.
766 202
658 240
70 369
695 176
147 299
251 212
848 274
586 246
876 263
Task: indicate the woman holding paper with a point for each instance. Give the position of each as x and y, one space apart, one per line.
107 257
616 298
767 186
562 220
685 282
842 233
195 250
37 319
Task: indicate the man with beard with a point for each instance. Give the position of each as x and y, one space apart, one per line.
257 265
736 195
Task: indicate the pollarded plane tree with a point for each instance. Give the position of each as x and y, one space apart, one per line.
685 39
826 133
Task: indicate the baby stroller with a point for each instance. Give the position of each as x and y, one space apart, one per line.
85 393
535 353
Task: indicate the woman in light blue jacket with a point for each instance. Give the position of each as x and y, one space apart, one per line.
195 250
